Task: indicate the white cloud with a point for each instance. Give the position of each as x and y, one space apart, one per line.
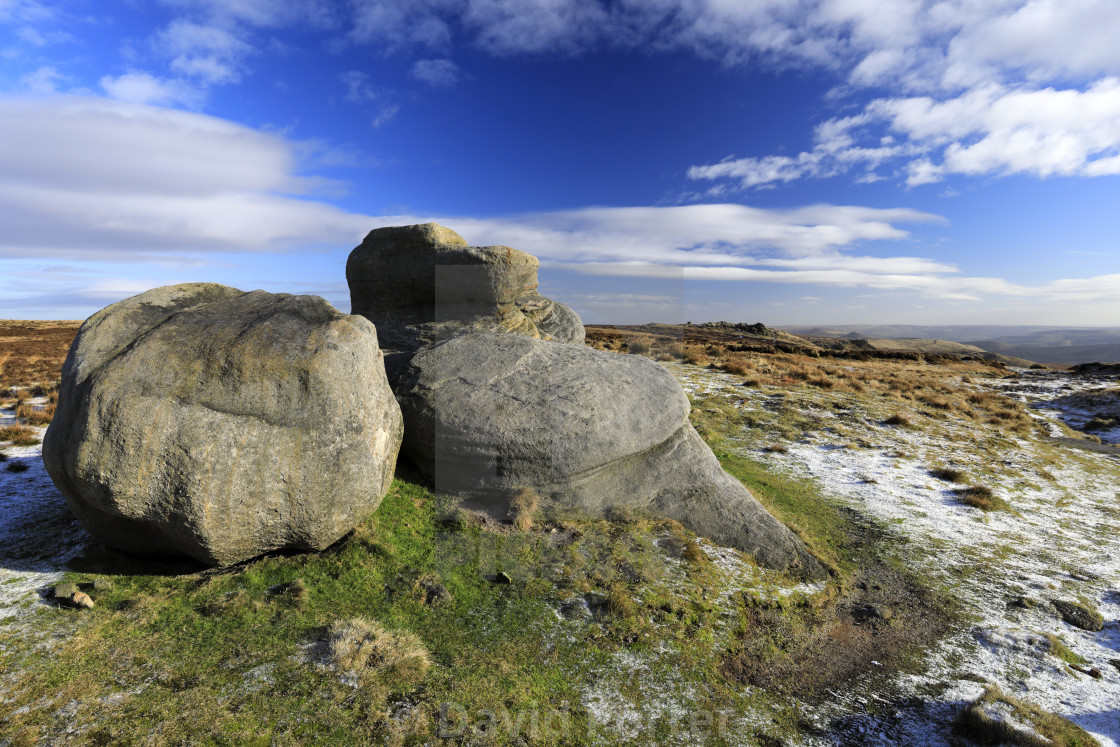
393 25
144 88
990 130
752 172
83 177
440 73
209 53
24 11
262 13
691 234
387 113
359 87
43 81
89 178
517 27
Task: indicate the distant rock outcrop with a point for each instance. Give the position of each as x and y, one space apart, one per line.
488 414
200 420
423 283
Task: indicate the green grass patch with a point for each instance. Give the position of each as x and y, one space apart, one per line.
825 529
395 633
1060 650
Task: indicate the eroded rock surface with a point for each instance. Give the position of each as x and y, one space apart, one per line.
204 421
423 283
488 414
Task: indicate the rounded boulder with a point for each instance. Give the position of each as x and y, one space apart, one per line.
204 421
487 415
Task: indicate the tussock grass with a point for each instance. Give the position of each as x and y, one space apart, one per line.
897 418
979 723
639 346
948 474
523 507
18 435
365 649
620 603
981 497
33 415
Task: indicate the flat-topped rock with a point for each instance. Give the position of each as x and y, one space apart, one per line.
489 414
200 420
423 283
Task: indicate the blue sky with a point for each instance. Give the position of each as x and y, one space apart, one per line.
784 161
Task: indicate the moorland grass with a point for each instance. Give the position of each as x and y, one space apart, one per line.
18 435
1045 729
981 497
181 655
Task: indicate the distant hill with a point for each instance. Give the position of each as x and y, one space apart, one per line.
1055 354
1052 345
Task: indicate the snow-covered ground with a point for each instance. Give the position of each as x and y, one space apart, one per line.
1060 541
37 532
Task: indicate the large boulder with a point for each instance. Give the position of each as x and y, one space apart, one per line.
487 414
423 283
204 421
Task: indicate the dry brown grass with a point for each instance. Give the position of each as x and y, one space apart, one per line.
981 497
18 435
35 351
948 474
367 650
639 345
736 365
523 507
36 415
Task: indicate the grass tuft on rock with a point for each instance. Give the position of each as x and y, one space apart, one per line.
523 507
996 718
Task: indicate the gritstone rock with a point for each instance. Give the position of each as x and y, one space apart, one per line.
420 284
489 414
203 421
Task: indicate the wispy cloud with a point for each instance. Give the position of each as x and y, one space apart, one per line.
144 88
440 73
83 176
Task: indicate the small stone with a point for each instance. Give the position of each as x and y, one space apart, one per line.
81 599
102 584
65 591
503 578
